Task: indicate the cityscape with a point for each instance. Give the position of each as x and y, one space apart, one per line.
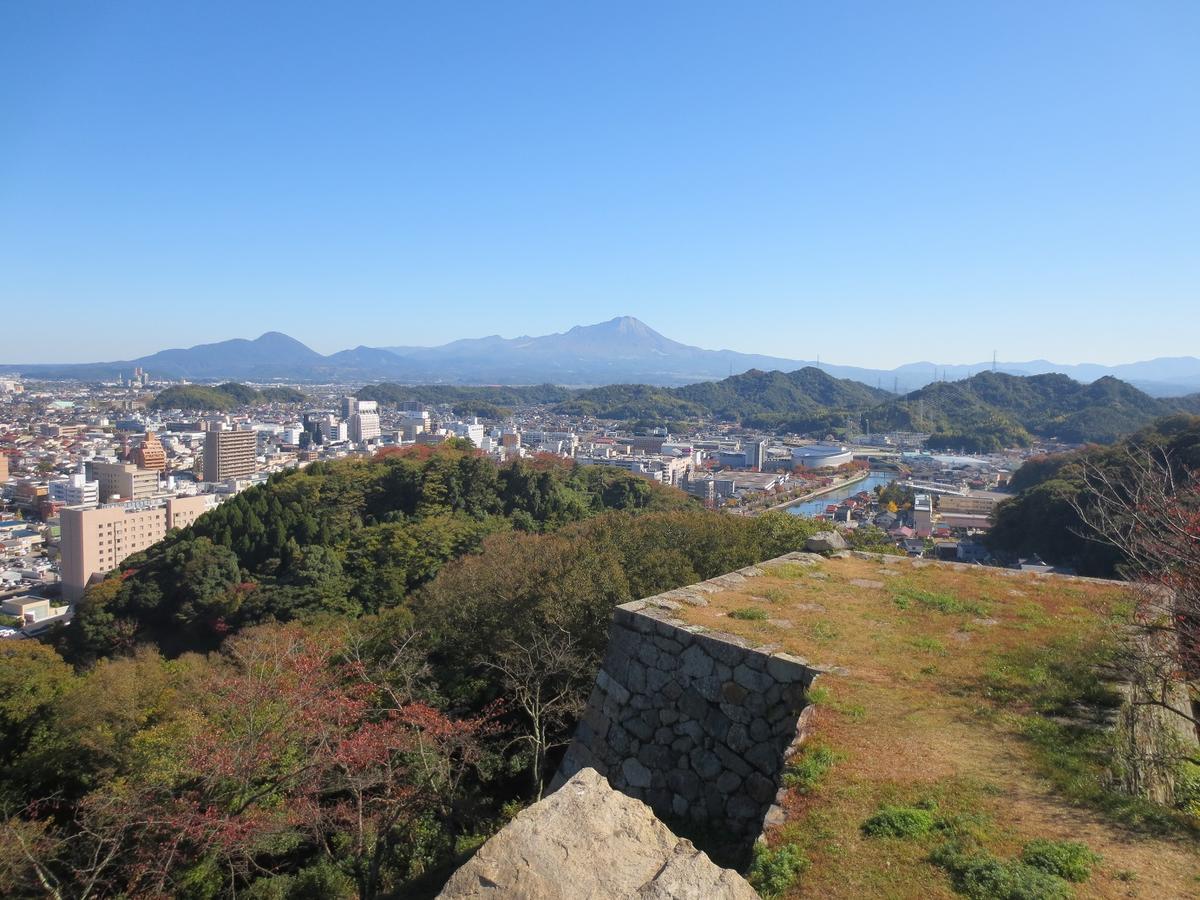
599 451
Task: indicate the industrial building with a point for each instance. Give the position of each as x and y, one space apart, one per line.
821 456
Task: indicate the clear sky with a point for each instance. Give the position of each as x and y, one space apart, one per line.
873 182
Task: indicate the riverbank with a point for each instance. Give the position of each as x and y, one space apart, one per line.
829 489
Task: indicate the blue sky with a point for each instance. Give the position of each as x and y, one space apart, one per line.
873 182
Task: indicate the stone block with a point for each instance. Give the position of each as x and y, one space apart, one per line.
669 646
825 542
640 728
750 679
705 763
679 806
716 724
709 688
760 730
736 713
764 757
739 806
685 783
738 738
692 705
732 692
760 788
636 774
655 757
728 782
734 762
647 653
695 663
787 669
635 677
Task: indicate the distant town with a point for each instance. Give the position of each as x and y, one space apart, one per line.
92 473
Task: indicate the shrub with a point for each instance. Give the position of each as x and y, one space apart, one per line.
773 871
1066 859
1187 788
749 614
899 821
982 876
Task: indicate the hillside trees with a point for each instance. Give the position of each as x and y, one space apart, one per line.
1045 516
343 538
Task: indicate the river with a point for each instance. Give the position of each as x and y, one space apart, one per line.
816 506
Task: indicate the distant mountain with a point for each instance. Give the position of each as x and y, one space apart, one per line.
620 351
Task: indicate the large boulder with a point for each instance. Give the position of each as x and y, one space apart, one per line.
825 542
589 842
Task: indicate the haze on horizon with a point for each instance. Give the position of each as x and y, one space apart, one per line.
864 183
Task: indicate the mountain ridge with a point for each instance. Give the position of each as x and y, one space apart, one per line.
620 350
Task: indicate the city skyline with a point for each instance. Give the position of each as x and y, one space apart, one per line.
789 181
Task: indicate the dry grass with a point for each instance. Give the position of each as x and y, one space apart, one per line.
923 715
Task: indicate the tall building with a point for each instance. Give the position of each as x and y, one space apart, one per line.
229 454
3 467
756 455
75 490
151 455
125 481
364 420
95 541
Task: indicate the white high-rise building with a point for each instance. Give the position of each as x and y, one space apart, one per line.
364 421
75 490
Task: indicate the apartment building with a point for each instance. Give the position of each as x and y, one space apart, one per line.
3 467
123 480
229 454
96 541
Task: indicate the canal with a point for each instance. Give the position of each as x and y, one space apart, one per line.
817 505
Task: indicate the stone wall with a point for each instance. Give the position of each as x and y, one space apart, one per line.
696 723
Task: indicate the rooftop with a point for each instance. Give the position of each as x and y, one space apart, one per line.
952 685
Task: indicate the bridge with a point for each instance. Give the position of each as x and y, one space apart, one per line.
930 488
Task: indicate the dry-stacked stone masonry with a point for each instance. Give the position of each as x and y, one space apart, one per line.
696 723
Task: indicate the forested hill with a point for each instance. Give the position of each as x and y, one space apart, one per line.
345 537
466 401
993 409
988 411
788 401
399 645
222 397
1041 519
791 401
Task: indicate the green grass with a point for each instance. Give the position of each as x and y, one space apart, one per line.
900 822
749 614
1069 860
908 597
822 696
929 645
773 871
823 631
808 767
775 595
